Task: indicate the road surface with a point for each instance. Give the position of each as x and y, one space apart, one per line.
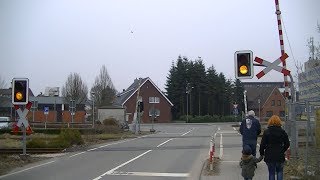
175 152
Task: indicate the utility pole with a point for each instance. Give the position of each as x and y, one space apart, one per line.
188 92
245 102
136 118
93 120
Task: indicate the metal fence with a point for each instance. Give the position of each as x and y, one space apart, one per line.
301 128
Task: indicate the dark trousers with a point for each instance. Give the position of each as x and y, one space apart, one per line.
247 178
253 148
275 168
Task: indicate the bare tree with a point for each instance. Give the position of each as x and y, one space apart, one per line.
75 89
103 90
3 83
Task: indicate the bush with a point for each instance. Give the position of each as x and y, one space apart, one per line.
110 122
110 129
184 118
36 143
46 131
209 119
205 119
68 137
230 118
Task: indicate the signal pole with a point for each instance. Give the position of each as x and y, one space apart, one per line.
136 118
290 125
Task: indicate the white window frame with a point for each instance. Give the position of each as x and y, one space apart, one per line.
151 99
154 100
157 112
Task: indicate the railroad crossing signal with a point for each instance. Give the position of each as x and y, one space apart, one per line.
20 91
274 65
22 118
243 64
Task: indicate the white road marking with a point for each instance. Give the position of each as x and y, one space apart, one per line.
118 142
186 133
27 169
234 128
111 171
219 128
121 165
77 154
111 144
221 147
168 133
164 142
228 132
151 174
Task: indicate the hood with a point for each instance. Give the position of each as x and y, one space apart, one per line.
246 158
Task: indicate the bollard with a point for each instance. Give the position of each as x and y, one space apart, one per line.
211 158
211 152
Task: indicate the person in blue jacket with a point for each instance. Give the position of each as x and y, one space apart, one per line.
250 129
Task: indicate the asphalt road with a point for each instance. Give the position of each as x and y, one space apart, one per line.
176 151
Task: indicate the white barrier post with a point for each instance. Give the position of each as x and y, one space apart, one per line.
211 154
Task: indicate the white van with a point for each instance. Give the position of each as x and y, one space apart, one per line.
4 122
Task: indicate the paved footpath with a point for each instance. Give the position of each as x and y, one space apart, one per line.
228 145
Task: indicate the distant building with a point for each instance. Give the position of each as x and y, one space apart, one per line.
58 109
116 112
309 81
52 91
6 106
263 84
155 101
265 102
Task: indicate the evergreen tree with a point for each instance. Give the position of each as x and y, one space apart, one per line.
212 90
238 92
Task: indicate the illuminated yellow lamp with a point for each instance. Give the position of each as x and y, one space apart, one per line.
19 96
243 69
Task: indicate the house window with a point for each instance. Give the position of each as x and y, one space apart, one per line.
269 113
279 102
154 100
273 102
282 114
156 112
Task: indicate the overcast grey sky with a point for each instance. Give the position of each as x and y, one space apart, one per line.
46 40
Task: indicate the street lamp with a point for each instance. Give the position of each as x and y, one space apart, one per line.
92 97
245 102
259 101
188 91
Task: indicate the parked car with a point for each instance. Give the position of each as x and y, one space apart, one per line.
4 122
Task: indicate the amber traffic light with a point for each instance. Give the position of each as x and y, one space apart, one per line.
243 64
20 91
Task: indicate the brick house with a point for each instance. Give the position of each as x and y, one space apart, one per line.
266 101
58 109
153 99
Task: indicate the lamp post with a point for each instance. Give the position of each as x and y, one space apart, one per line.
188 92
92 96
245 102
259 101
